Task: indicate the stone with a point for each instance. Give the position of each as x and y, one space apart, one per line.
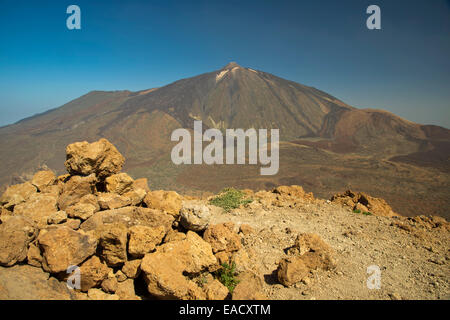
84 208
222 257
164 270
174 235
110 285
110 201
38 208
135 196
215 290
92 272
292 270
57 217
43 179
34 256
119 183
141 183
132 268
144 239
17 194
16 233
308 254
244 260
72 224
81 211
168 201
113 244
249 287
23 282
97 294
62 247
129 216
100 158
194 215
291 191
74 189
222 237
120 276
125 290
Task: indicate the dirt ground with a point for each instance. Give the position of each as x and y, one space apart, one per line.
413 260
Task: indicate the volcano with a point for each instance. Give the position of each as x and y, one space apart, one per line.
326 145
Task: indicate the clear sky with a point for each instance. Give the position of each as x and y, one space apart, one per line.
135 45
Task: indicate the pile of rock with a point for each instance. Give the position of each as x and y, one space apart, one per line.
359 201
282 196
113 232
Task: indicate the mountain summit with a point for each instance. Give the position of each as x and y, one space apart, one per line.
231 65
326 146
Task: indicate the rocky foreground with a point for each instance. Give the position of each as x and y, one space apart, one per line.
129 242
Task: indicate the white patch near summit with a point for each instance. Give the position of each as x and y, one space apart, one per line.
221 74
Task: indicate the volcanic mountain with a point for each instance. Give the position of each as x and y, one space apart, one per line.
326 146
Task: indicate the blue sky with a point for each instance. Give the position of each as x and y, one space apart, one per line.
135 45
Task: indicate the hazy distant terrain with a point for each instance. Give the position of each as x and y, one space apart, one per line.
327 145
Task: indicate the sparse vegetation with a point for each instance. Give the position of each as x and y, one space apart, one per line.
366 213
227 276
229 199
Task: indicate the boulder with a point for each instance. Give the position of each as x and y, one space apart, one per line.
42 179
110 201
119 183
34 256
292 270
164 270
23 282
113 244
100 158
72 224
74 189
194 215
57 217
141 183
110 284
309 253
174 235
125 290
62 247
144 239
132 268
93 272
129 216
38 208
136 196
16 233
97 294
168 201
81 211
214 290
249 287
222 237
17 194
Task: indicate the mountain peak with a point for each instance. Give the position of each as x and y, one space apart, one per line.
231 65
